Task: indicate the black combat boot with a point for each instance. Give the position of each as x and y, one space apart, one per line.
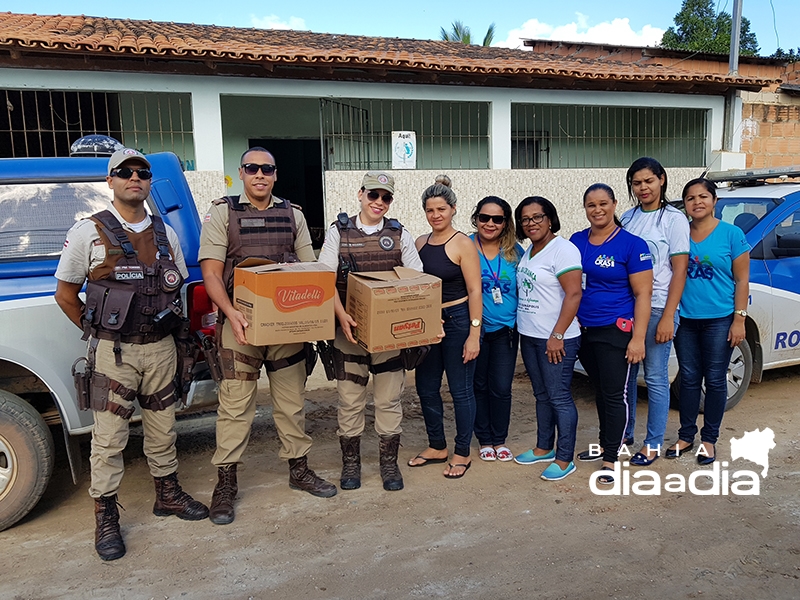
107 537
303 478
351 462
390 472
172 500
221 511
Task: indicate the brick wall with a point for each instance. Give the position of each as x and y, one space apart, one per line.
771 129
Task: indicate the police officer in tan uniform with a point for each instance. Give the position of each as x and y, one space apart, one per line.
135 270
255 224
366 242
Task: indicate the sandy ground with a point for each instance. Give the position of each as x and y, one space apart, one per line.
500 532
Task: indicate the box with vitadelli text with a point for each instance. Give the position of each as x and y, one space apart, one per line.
285 303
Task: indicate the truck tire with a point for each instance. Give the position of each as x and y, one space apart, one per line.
740 370
26 458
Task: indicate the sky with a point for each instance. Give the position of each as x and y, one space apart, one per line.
612 21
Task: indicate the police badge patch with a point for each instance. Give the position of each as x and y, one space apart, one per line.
383 179
386 242
171 280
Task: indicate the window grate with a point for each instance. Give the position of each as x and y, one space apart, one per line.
450 135
45 123
563 136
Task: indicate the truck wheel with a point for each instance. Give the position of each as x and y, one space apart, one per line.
26 458
740 369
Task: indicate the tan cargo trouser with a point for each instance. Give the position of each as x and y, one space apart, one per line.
386 390
237 403
147 368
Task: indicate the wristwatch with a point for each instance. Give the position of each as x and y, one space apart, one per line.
475 322
741 313
557 336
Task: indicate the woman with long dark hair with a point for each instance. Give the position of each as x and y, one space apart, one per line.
549 279
617 286
713 314
499 254
666 231
451 256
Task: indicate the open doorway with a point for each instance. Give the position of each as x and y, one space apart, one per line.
300 179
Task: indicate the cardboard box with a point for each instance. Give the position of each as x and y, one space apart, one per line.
285 303
395 309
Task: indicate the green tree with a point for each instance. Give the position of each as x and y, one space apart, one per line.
791 56
700 29
461 33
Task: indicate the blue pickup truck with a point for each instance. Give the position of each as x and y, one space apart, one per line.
40 199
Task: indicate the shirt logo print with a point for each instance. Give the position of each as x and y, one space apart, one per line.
606 262
700 269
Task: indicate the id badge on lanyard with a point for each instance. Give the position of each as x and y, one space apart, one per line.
497 295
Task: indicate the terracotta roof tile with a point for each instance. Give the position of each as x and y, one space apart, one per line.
99 35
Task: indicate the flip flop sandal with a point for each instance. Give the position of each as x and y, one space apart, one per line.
488 454
504 454
460 475
427 461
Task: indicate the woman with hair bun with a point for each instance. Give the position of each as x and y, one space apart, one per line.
499 254
549 279
666 231
451 256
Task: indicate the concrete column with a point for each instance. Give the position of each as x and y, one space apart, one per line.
207 123
500 133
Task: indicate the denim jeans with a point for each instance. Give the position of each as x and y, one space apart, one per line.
446 357
656 376
552 387
494 372
704 352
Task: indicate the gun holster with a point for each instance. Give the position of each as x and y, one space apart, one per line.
311 357
413 357
326 356
83 383
188 351
211 353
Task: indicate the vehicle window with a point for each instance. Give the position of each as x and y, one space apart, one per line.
34 218
745 213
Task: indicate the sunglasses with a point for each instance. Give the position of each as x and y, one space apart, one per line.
252 168
496 219
535 219
127 173
387 198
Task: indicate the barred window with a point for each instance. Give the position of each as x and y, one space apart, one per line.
450 135
560 136
45 123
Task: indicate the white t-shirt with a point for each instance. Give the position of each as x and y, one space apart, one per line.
540 293
667 234
329 254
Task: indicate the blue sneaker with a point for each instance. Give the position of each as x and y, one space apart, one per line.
529 458
554 472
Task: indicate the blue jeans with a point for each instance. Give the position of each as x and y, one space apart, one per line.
446 357
552 387
704 352
656 376
494 372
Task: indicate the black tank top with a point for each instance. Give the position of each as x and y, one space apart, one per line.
436 262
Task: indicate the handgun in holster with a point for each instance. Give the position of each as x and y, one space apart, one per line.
83 382
209 346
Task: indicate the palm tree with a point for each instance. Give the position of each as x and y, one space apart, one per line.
461 33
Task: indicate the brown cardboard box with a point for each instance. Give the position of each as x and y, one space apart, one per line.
395 309
285 303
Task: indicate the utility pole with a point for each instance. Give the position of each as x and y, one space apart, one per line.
732 95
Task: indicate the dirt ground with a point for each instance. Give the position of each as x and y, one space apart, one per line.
500 532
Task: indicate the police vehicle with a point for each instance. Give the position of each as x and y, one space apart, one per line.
40 199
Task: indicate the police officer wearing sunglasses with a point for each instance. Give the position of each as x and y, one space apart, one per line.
135 270
255 224
368 241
